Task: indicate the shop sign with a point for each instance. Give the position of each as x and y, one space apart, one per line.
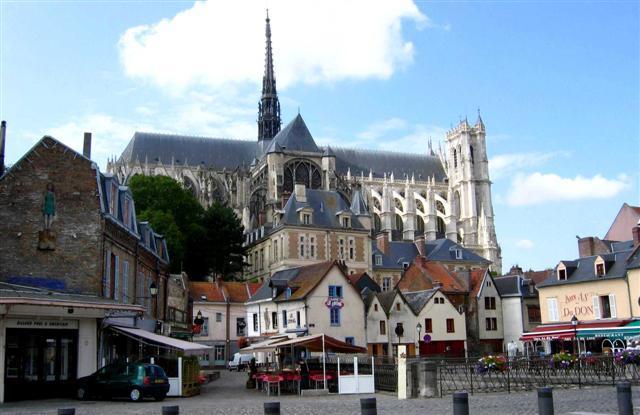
42 324
333 302
578 304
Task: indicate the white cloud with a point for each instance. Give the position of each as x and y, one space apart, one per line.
524 244
379 129
220 42
504 165
539 188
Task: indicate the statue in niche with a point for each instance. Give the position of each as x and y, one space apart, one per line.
46 238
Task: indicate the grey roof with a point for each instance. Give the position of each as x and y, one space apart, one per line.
386 298
326 205
294 137
380 162
634 259
358 206
515 286
399 252
209 152
418 299
583 269
444 250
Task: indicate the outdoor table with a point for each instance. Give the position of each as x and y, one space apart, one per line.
319 378
272 380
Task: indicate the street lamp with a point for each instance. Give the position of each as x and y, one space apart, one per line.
574 323
153 289
419 330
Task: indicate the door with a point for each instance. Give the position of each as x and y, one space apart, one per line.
218 355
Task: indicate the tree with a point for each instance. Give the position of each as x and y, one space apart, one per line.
199 241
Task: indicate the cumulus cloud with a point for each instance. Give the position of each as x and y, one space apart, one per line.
504 165
524 244
220 42
537 188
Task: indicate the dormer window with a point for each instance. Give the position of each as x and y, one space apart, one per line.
346 222
458 253
562 274
274 292
378 259
306 218
600 267
287 293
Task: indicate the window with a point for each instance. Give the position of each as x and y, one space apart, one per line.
604 306
306 218
341 248
284 318
488 283
335 291
533 313
458 253
274 319
397 306
600 269
386 283
552 306
489 303
455 158
428 327
450 326
334 315
405 265
312 247
562 274
275 250
297 319
116 279
302 247
383 328
218 352
218 317
491 324
352 249
378 259
287 293
345 222
471 153
241 326
261 258
349 340
375 307
125 281
255 322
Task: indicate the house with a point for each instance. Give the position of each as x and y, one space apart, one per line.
221 304
520 305
363 282
310 299
425 321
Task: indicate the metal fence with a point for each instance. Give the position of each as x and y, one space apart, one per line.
530 373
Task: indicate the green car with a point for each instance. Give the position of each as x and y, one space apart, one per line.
133 380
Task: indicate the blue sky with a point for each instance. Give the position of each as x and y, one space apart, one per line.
557 84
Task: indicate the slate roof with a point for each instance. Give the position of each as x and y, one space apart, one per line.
219 153
386 298
583 269
515 286
402 165
398 253
444 250
362 281
294 137
325 204
358 205
418 299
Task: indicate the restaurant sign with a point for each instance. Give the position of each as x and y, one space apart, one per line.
576 304
41 324
334 302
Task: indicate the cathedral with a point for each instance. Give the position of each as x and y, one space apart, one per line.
423 194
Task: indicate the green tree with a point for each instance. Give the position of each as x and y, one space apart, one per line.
199 241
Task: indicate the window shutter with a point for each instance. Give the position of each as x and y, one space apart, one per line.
612 305
107 277
596 307
553 309
116 287
125 281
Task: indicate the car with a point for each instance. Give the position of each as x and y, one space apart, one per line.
127 380
239 362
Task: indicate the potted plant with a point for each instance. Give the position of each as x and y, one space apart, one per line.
488 364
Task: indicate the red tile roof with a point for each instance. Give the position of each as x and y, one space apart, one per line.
210 290
221 291
538 276
424 275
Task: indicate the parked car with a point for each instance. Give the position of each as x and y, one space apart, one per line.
240 361
131 380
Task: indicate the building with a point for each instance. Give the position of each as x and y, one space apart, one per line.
312 299
444 195
520 305
76 264
222 306
178 318
429 323
626 219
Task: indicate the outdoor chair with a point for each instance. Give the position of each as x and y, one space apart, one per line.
272 381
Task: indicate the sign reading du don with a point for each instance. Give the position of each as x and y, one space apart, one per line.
42 324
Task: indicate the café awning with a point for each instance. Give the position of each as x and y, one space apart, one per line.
265 345
166 342
313 343
566 331
613 333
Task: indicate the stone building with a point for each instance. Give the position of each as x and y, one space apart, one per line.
444 195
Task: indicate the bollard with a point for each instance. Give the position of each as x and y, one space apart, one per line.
368 406
67 411
545 401
460 403
625 406
171 410
272 408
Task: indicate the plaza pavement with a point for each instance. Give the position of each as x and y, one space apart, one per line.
229 396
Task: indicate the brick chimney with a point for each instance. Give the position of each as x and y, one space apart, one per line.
3 132
635 231
419 241
382 242
590 246
86 149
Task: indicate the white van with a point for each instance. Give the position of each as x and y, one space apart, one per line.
240 361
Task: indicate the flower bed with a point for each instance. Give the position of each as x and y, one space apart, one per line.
628 357
491 363
562 360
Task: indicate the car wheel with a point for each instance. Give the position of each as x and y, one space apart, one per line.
82 393
160 397
135 395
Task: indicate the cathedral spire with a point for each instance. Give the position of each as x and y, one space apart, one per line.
269 106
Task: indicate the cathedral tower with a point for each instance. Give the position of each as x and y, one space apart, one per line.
269 106
470 190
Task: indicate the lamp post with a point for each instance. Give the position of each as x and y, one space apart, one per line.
419 330
574 323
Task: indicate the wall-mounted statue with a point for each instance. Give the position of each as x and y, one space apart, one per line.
46 237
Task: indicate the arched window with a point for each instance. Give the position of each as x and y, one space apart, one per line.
300 171
419 224
457 208
399 226
440 207
455 159
471 152
377 224
440 228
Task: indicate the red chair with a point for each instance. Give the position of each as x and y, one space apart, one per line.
272 380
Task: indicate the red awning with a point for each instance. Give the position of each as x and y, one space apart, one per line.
566 331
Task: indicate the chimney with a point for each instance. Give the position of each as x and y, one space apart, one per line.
419 241
3 132
515 270
382 242
590 246
635 231
436 284
300 191
86 149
